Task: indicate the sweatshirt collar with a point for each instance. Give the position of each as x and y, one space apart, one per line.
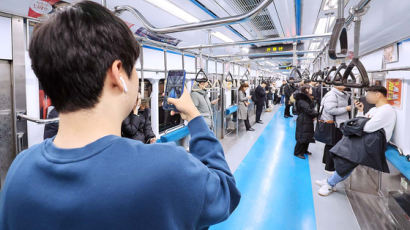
60 155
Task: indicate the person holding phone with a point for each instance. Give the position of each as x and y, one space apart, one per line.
137 125
88 176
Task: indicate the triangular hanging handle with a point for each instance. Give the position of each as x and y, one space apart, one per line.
339 34
362 71
328 78
229 75
201 71
338 77
295 73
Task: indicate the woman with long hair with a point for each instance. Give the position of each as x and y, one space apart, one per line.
243 106
304 123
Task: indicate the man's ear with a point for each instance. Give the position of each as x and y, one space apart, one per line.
117 76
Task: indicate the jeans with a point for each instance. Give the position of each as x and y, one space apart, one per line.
336 178
282 99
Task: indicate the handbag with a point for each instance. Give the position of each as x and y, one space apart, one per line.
325 131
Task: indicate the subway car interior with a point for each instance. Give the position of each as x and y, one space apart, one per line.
263 74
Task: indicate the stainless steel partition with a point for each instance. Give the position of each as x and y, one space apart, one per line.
6 120
13 131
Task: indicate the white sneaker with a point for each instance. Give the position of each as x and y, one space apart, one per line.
321 182
326 190
329 172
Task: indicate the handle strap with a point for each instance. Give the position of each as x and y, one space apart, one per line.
339 33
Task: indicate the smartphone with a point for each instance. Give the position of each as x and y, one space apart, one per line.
174 87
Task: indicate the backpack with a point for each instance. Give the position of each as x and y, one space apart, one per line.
253 95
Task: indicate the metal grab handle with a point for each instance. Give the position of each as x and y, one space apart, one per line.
313 77
196 25
199 72
328 78
295 71
338 77
246 75
305 74
36 120
229 75
362 71
317 75
339 33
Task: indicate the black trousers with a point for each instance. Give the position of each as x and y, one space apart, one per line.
247 124
301 148
259 109
287 108
328 156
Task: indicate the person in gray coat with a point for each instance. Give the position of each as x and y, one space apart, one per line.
335 109
203 104
243 113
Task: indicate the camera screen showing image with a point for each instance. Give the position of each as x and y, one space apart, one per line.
174 86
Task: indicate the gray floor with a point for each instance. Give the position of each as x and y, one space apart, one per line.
332 212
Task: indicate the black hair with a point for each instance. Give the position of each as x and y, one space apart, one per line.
264 82
378 88
72 51
305 89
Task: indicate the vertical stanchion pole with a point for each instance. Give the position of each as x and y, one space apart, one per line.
142 72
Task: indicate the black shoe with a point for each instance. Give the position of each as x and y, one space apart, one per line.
286 116
250 129
308 153
301 156
259 122
290 116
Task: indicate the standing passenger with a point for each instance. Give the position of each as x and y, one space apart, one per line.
260 100
88 177
304 122
335 109
202 102
289 88
243 113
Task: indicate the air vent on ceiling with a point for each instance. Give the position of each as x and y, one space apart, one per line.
262 23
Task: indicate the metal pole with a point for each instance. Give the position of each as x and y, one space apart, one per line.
196 25
340 8
183 60
256 41
165 64
142 72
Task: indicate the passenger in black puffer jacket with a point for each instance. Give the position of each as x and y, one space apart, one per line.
137 126
304 123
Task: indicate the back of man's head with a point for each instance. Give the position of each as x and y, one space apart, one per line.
73 50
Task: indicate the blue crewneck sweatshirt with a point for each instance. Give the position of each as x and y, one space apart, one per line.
119 183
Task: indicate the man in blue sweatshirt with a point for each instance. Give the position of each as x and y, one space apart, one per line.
88 177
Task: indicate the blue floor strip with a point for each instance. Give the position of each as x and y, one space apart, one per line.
276 186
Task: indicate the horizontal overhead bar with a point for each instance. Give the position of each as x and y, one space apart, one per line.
273 54
196 25
257 41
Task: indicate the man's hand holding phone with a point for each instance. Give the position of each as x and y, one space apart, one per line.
185 106
359 106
